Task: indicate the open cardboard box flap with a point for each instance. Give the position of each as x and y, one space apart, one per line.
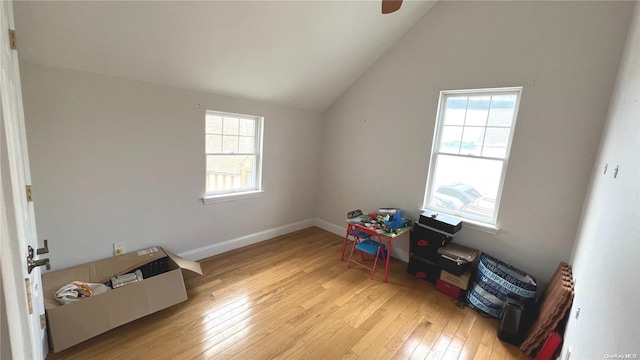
73 323
189 268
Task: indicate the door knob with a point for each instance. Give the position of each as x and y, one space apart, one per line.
32 264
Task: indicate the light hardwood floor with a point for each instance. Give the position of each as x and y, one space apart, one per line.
292 298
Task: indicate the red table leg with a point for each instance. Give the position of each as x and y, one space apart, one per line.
386 265
346 240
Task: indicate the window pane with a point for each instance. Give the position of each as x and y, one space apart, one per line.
230 172
454 110
214 143
247 127
450 139
230 126
466 186
229 144
495 142
213 124
247 144
477 111
472 141
502 108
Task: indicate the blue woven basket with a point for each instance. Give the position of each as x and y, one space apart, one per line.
494 280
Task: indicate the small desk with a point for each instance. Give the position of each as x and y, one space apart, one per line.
355 224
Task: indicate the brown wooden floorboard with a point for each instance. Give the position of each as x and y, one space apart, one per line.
291 297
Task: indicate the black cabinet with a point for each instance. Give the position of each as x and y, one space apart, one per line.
424 258
425 242
423 268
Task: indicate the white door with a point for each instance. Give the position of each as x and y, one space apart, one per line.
22 290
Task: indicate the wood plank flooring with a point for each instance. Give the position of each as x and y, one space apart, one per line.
292 298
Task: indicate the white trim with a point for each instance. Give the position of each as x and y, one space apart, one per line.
325 225
484 91
213 199
13 287
396 252
232 244
258 149
27 338
400 254
486 226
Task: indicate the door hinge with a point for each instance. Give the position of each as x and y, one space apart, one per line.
43 321
27 285
29 194
13 43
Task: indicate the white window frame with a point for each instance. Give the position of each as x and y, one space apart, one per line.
256 190
489 225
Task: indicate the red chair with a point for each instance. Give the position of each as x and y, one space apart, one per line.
372 246
354 235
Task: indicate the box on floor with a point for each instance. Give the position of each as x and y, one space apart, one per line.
461 281
451 291
76 322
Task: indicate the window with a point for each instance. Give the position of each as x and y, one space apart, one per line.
472 139
233 152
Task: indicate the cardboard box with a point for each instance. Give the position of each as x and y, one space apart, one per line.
451 291
461 281
76 322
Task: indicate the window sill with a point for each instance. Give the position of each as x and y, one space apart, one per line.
213 199
475 225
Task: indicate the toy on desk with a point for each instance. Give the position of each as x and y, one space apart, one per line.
395 221
385 222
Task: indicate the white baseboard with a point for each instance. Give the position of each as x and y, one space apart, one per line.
400 254
325 225
396 252
232 244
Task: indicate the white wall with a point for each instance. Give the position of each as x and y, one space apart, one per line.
116 160
605 258
377 137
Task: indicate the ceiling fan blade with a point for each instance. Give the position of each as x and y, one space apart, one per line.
389 6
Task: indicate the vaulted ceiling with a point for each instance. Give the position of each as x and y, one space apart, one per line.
302 54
